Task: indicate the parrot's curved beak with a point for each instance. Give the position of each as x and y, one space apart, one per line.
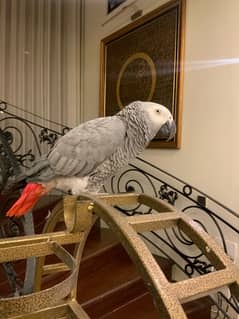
167 131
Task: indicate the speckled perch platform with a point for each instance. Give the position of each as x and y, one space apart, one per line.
80 214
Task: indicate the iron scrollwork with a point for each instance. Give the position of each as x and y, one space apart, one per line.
166 194
47 137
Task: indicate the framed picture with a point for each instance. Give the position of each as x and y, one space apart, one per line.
113 4
144 61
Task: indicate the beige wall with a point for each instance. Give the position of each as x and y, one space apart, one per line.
209 155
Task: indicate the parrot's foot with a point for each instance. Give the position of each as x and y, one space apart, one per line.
98 193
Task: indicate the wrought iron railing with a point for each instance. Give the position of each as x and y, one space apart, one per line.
219 221
23 137
28 135
141 176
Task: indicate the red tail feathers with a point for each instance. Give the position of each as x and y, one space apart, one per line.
30 195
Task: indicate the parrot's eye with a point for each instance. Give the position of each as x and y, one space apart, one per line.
158 111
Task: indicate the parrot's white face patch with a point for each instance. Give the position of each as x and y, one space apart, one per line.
158 114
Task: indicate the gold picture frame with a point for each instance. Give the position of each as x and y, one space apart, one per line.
144 61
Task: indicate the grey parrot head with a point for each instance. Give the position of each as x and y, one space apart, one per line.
157 118
160 119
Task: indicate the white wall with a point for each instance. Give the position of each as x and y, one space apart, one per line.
209 155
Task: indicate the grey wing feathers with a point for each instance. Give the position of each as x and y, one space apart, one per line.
81 150
40 171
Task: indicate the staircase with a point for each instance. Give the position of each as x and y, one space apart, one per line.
109 286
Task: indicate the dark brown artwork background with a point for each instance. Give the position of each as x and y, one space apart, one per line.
141 64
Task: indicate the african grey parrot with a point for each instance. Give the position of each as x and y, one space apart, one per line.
84 158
